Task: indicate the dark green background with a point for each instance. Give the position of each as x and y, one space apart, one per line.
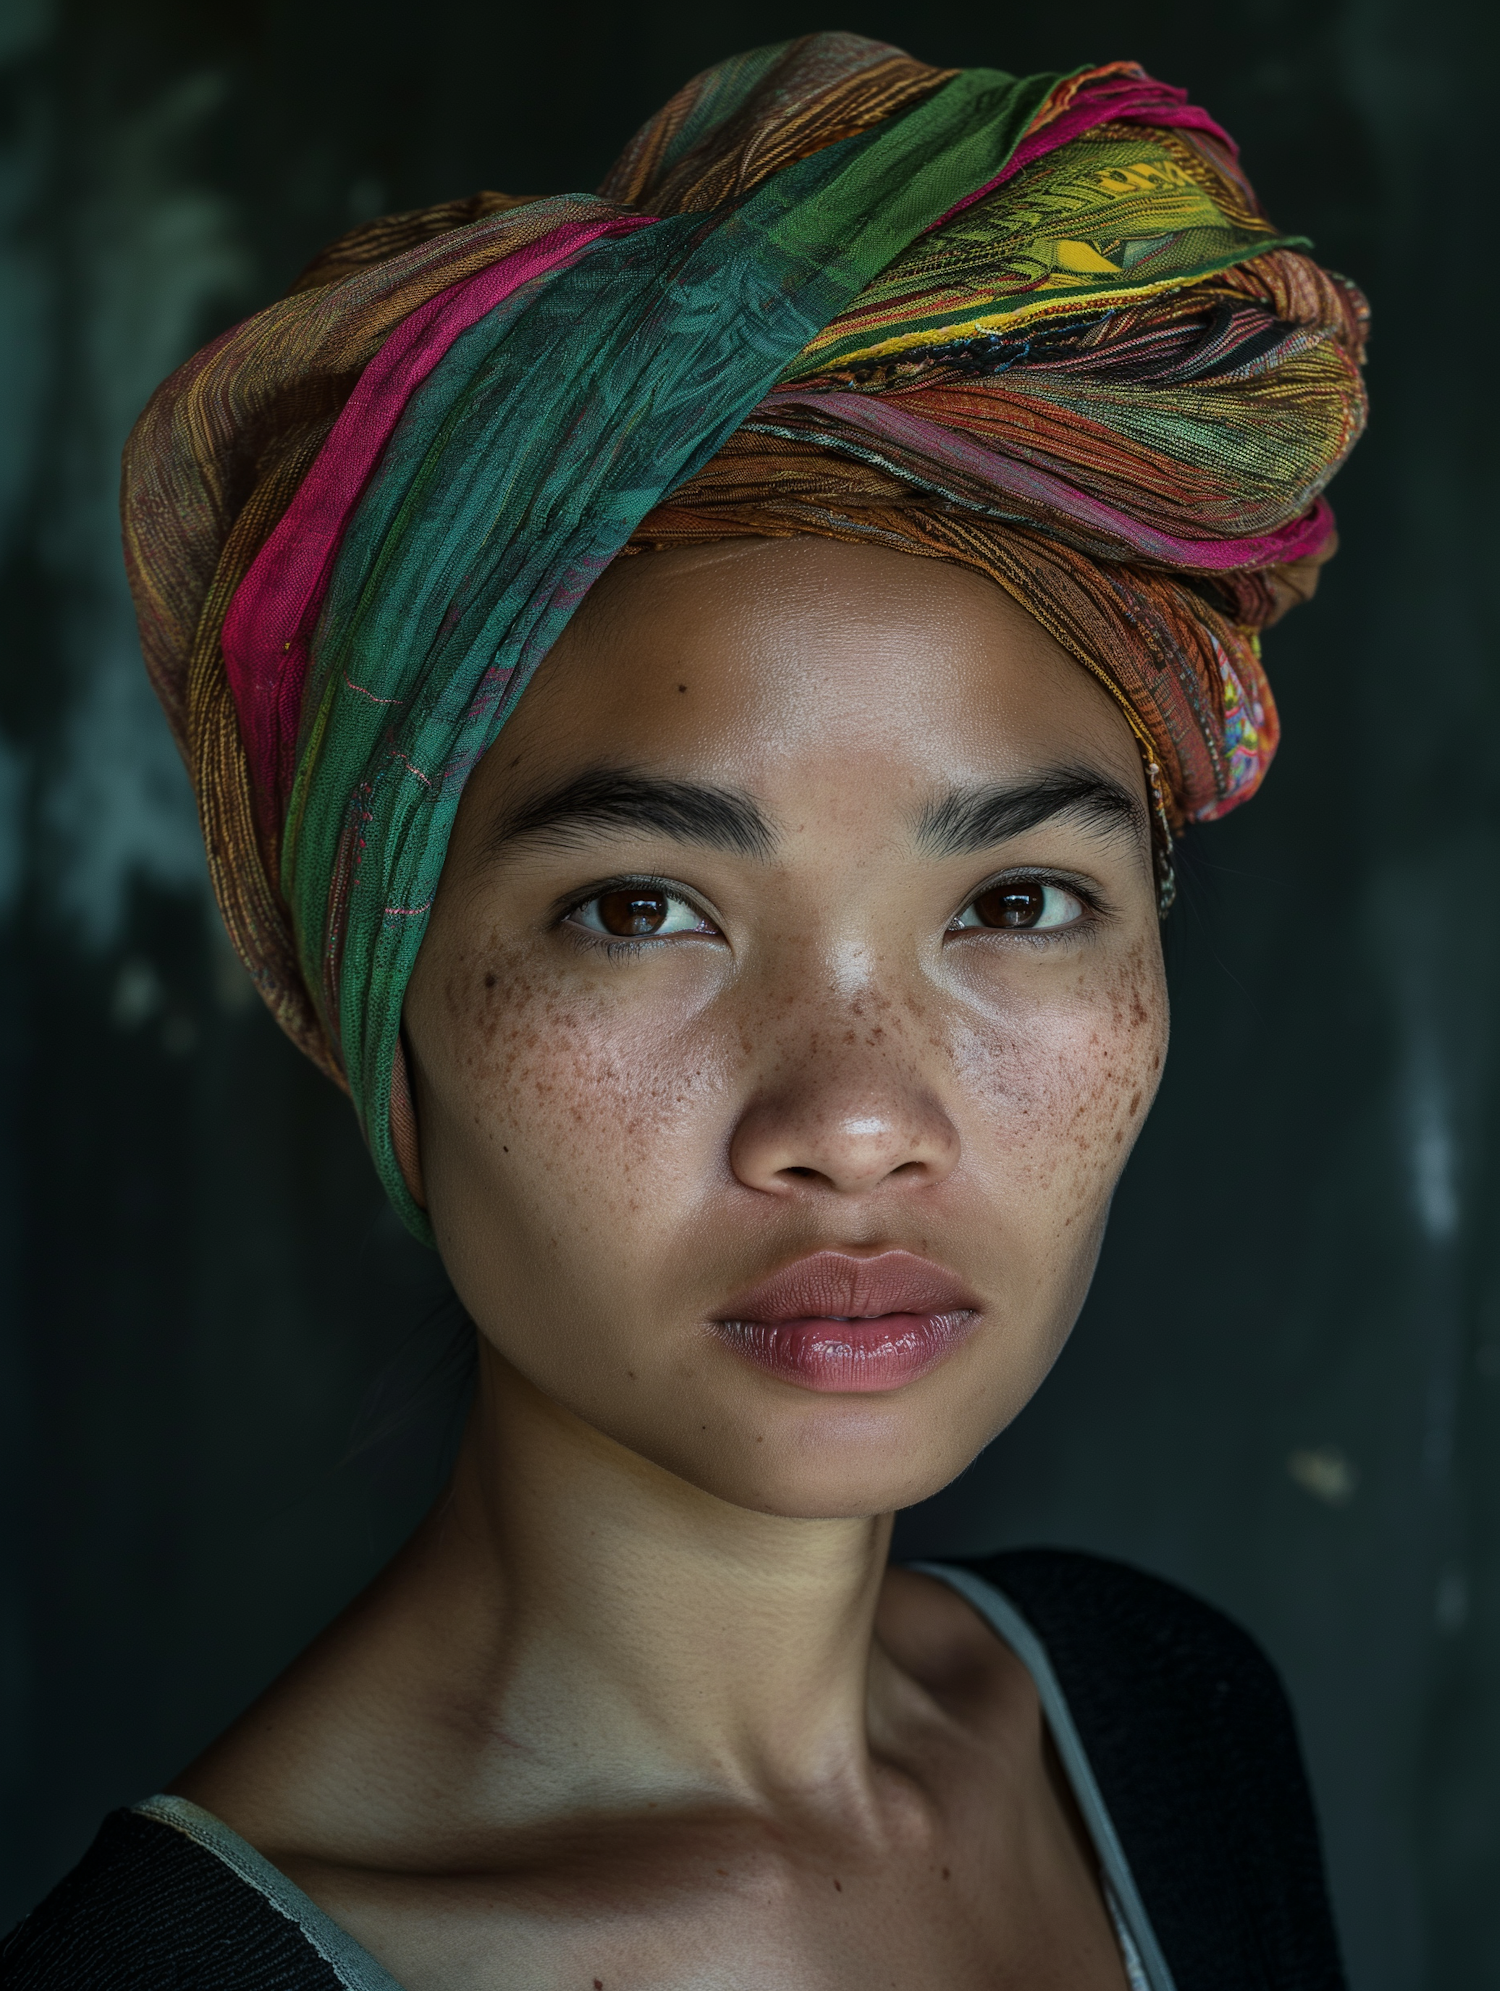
1285 1390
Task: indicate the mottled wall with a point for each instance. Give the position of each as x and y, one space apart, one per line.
1286 1387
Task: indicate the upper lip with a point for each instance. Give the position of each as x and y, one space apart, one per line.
834 1285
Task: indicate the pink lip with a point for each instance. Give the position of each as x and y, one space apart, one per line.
854 1325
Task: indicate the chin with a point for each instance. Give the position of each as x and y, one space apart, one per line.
846 1463
814 1455
823 1494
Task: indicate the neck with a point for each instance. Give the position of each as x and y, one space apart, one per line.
606 1620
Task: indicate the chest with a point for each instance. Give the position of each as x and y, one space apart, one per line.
973 1902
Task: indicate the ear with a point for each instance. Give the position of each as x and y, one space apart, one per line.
404 1126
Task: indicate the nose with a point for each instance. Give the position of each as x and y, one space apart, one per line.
833 1124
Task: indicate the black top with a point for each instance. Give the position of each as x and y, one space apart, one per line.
1184 1723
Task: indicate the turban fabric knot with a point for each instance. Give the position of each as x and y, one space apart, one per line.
1035 325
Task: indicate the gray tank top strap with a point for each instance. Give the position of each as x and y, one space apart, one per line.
1145 1966
353 1966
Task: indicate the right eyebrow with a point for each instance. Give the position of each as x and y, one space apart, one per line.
965 821
605 799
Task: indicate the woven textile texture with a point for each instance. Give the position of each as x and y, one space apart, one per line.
1038 326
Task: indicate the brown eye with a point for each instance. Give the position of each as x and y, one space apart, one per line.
639 912
633 913
1020 905
1011 905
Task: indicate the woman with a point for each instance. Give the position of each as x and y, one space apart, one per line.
691 693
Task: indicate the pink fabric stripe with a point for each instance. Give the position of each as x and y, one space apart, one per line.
904 434
1113 99
275 607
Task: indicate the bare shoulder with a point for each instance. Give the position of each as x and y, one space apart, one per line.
991 1749
939 1639
322 1745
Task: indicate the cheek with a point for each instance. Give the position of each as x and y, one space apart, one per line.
1061 1092
562 1108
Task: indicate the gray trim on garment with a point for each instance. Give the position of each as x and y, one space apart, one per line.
353 1966
1145 1965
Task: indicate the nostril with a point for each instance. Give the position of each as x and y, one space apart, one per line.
810 1141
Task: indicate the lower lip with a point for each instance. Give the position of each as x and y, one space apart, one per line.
850 1357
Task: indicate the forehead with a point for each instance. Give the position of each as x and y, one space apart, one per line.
763 661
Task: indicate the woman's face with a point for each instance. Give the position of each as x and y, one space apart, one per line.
790 1004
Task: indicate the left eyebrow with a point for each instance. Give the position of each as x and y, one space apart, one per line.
602 800
966 821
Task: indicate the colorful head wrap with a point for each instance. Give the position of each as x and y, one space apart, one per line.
1035 325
